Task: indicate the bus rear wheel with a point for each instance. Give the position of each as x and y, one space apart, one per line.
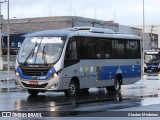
33 92
72 90
116 87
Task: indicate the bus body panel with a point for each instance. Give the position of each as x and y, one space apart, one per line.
101 73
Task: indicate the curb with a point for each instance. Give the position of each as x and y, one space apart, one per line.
11 90
4 80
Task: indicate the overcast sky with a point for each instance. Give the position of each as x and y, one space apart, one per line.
125 12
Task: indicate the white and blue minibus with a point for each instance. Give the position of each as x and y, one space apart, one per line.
76 59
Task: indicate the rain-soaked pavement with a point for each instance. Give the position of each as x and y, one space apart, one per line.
53 104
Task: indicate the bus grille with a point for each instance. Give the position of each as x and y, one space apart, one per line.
35 86
35 71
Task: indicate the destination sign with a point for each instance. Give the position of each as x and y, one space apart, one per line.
55 40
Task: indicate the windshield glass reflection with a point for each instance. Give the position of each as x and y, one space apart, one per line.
41 50
152 58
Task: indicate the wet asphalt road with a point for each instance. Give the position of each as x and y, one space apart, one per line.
142 93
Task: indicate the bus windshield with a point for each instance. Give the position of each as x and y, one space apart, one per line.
152 58
41 50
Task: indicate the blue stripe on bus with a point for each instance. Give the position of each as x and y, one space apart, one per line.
110 72
50 72
106 73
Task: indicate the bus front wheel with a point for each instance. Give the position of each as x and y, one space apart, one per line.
116 87
72 90
33 92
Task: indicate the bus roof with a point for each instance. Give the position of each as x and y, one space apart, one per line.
82 31
50 33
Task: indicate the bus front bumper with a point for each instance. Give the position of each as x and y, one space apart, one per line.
51 84
152 68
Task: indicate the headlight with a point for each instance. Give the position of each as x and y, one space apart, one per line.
55 75
17 74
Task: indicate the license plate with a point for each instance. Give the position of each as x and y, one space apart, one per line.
33 82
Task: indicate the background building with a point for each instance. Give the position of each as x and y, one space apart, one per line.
152 36
46 23
130 30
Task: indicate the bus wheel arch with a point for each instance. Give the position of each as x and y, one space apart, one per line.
118 81
119 77
73 87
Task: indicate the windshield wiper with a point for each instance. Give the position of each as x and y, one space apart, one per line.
44 55
30 54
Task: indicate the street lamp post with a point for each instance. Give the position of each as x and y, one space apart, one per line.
8 41
1 61
143 37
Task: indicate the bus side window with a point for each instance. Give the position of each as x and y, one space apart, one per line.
71 51
74 50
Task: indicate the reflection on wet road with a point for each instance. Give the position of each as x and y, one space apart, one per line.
94 100
144 92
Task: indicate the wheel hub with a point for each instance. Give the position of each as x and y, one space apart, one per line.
72 88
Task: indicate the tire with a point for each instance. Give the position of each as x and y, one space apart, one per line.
116 87
72 90
33 92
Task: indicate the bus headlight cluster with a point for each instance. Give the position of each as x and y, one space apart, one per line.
55 85
55 75
17 74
